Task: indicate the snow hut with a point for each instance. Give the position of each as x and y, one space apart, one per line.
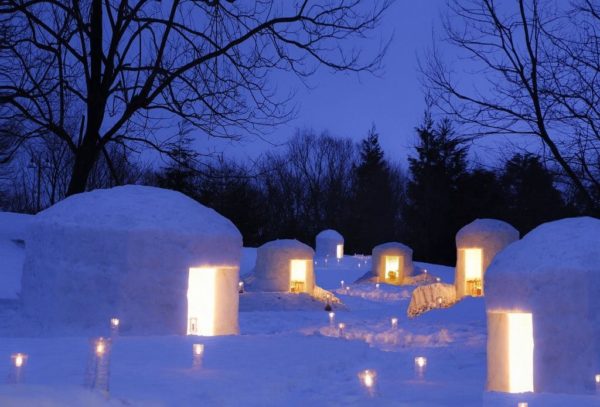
392 262
284 266
476 245
329 243
156 259
543 307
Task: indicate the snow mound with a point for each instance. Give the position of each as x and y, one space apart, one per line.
554 274
485 229
326 243
13 226
126 252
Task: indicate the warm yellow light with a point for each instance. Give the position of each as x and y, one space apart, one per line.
522 404
202 300
420 362
367 377
394 322
597 378
392 267
331 316
339 251
298 271
520 352
100 347
19 359
114 322
473 264
198 349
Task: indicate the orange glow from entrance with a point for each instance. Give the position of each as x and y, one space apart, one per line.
392 266
473 264
520 352
202 299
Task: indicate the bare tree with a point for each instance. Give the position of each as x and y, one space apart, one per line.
114 70
525 61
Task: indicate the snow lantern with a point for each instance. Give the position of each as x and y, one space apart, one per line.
329 243
543 308
392 262
284 266
159 260
476 245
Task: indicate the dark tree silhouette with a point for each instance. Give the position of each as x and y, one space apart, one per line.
92 72
433 207
373 216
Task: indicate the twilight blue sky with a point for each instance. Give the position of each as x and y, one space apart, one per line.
347 104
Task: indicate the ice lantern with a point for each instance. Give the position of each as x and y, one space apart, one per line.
476 245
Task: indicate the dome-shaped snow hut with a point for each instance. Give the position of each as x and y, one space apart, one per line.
156 259
392 262
284 266
543 307
329 243
476 245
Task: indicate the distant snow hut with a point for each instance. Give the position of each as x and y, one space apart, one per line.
284 266
392 262
543 307
329 243
477 243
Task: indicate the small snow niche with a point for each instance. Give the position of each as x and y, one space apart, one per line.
476 245
543 306
329 244
156 259
392 263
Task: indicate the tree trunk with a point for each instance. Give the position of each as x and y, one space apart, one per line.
84 162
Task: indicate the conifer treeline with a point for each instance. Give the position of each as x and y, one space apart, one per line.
319 182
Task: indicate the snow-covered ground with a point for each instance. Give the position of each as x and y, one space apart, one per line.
288 354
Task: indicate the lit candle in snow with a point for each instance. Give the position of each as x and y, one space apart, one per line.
342 283
198 352
114 326
331 317
18 361
522 404
377 286
420 365
394 322
341 327
367 379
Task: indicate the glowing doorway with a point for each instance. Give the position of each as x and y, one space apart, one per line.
520 352
339 251
473 259
202 299
392 268
298 269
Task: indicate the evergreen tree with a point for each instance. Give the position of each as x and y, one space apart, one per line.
373 210
530 193
432 212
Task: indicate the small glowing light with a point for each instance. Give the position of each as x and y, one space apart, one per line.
19 359
439 300
347 288
438 279
100 347
424 271
522 404
377 286
198 349
331 317
342 283
341 327
597 378
114 322
241 284
420 362
394 322
367 378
